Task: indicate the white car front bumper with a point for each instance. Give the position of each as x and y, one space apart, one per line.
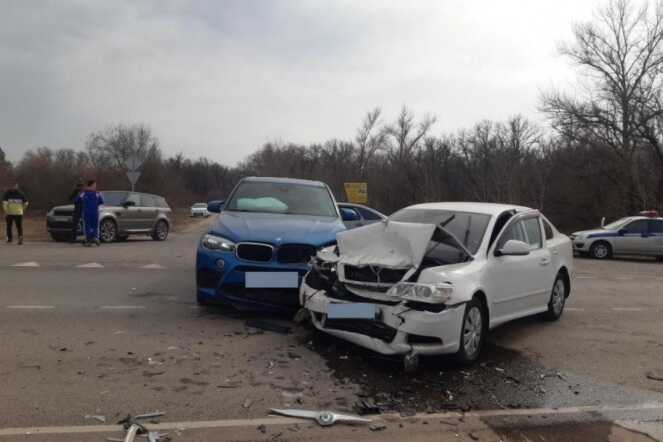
412 330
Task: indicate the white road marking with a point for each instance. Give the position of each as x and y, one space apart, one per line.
229 423
26 264
627 309
153 267
624 278
121 307
585 277
90 265
575 309
31 307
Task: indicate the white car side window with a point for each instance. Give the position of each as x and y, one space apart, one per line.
513 231
533 229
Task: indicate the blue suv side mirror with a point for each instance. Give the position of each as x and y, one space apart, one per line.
215 206
349 214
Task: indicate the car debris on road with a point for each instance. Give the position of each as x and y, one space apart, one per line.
323 418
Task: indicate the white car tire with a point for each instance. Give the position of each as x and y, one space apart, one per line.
600 250
557 299
472 333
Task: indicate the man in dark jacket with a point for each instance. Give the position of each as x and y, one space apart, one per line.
14 204
78 209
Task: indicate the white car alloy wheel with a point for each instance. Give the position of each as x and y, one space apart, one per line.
472 331
558 297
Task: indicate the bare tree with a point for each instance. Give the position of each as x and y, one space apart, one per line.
370 138
406 134
621 58
114 147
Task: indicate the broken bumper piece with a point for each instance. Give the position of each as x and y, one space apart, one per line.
396 329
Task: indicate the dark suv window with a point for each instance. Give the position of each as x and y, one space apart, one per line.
549 230
114 198
639 226
655 226
148 201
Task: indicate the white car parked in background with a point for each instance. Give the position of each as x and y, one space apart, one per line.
199 209
434 278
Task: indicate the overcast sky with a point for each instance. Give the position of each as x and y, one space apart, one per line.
219 78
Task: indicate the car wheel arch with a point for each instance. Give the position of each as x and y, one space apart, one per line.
480 295
567 279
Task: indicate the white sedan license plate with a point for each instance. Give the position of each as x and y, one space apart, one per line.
271 280
351 311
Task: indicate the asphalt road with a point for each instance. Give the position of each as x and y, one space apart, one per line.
115 330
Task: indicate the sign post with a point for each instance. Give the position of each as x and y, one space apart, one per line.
134 164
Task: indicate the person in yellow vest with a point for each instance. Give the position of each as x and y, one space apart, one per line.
14 204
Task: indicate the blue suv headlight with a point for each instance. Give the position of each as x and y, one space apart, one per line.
213 242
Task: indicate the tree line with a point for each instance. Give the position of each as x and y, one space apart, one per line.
602 154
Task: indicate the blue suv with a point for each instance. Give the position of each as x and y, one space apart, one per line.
257 252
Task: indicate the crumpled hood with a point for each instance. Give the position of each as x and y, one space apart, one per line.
277 228
387 244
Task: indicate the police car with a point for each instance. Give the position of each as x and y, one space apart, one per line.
633 235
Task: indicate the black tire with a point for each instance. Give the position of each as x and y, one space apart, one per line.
107 230
558 296
160 232
201 300
600 250
659 258
122 237
470 342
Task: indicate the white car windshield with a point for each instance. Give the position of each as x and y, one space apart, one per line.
616 224
467 227
285 198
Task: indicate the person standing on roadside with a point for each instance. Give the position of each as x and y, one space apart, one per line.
78 210
90 201
14 204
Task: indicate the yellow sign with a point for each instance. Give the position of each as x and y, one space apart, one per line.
357 192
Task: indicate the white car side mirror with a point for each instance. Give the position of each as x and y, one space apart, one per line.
513 247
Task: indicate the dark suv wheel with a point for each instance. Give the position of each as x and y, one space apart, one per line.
160 232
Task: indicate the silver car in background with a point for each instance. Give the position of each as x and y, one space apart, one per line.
633 235
123 214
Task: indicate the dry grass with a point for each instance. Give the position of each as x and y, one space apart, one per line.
34 224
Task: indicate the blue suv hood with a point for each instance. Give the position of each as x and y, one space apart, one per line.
276 228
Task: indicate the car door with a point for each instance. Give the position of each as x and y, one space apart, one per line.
656 236
148 211
632 238
520 285
130 215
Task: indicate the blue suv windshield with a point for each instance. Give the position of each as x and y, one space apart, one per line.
285 198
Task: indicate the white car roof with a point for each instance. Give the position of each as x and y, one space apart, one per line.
486 208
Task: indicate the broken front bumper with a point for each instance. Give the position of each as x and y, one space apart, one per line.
396 330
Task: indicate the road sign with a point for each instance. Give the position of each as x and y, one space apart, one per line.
133 178
133 163
357 192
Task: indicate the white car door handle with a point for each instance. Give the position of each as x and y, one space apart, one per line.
555 252
544 261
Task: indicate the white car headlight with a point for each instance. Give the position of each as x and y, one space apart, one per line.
214 242
428 293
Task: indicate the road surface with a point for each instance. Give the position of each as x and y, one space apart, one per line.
115 330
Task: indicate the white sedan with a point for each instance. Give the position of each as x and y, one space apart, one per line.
434 278
199 209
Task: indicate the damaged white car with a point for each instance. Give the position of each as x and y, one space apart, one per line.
434 278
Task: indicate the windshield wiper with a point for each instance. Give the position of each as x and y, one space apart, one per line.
447 221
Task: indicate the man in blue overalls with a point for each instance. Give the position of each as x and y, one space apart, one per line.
90 200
